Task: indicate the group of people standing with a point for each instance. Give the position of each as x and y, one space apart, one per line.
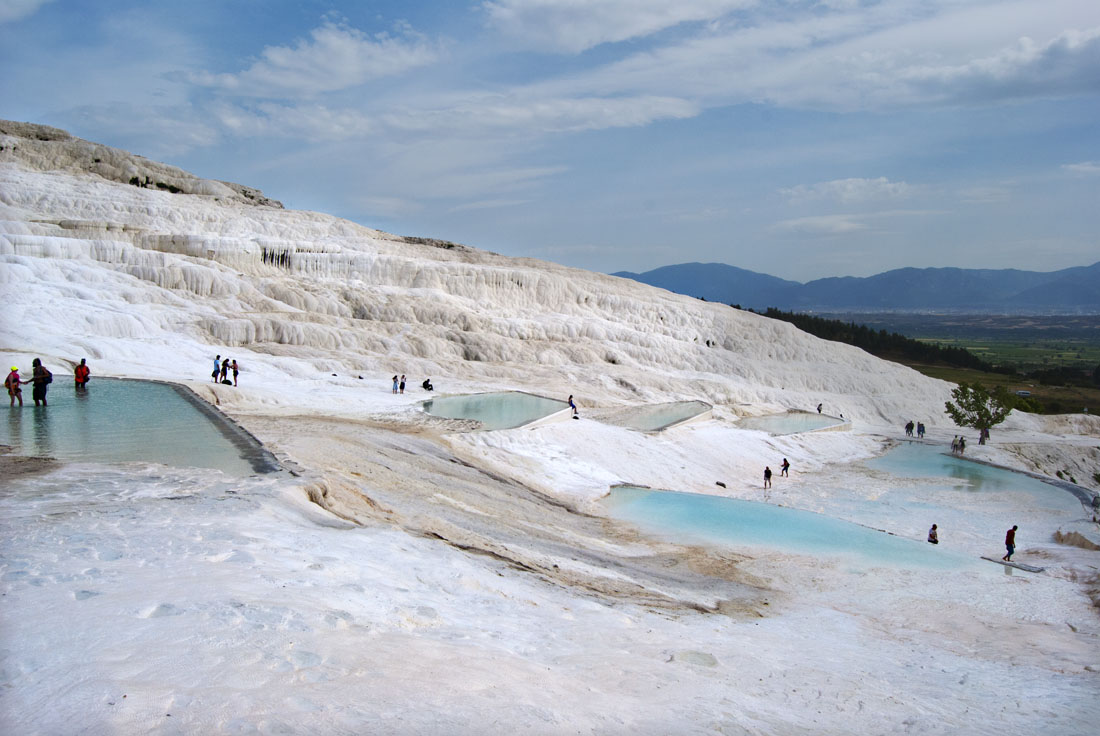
919 429
222 368
399 384
41 378
958 445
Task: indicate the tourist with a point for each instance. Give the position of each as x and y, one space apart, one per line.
819 408
236 370
954 444
767 477
933 535
402 386
11 383
909 428
1010 543
395 383
427 385
784 468
225 371
217 367
920 430
572 406
81 373
41 379
962 445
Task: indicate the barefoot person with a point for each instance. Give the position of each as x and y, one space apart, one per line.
784 468
1010 543
81 373
933 535
767 477
11 383
41 379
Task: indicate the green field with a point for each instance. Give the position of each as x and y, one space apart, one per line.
1029 343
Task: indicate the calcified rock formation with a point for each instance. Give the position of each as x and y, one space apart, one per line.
232 268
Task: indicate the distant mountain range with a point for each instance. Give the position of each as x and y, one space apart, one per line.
961 290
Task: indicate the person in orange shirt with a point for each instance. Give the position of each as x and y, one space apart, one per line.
82 372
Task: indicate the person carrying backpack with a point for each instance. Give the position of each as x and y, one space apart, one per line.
41 379
11 383
82 372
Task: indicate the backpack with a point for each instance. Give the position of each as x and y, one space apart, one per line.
48 378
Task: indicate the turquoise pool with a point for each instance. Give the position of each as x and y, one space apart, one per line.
923 460
132 421
790 422
659 416
502 410
691 517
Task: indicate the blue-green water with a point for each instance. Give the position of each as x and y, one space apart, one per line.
923 460
658 416
691 517
789 423
503 410
128 421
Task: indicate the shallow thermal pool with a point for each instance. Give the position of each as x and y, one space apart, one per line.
131 421
924 460
502 410
660 416
790 422
696 518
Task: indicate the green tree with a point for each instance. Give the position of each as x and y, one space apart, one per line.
974 406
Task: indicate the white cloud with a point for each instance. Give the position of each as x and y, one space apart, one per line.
309 122
335 57
888 54
851 190
12 10
1067 64
1090 168
822 225
534 115
576 25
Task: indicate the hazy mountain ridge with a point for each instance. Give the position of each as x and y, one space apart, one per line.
1012 291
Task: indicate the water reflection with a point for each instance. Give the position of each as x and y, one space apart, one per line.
120 421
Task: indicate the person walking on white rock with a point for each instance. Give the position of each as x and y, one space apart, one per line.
1010 543
767 477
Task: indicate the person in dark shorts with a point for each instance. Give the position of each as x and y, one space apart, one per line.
1010 543
784 468
81 374
217 367
933 535
767 477
236 370
41 380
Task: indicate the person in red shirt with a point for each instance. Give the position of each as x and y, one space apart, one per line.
82 372
1010 543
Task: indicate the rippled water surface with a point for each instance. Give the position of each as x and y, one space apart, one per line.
122 421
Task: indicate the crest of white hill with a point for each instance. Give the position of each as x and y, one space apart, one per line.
114 257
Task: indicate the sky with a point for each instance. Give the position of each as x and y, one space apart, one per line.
800 138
